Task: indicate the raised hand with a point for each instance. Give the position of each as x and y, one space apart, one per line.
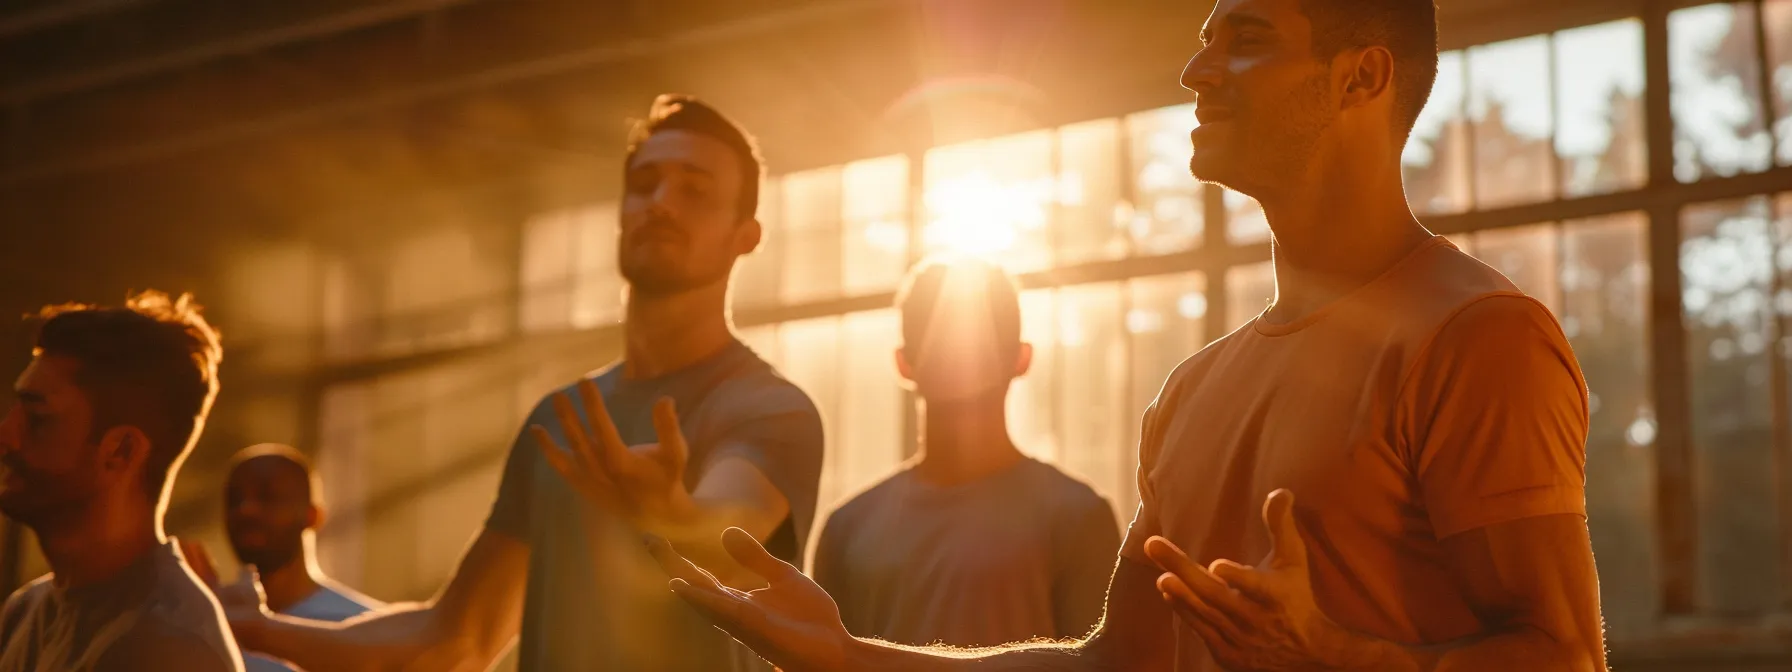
244 603
792 622
1261 617
644 483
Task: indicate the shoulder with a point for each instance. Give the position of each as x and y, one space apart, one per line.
1073 496
181 609
23 600
870 499
333 602
171 646
758 390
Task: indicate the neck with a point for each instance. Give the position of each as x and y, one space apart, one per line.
1336 231
667 332
291 583
966 440
90 546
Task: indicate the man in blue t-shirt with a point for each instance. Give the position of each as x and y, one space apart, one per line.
742 449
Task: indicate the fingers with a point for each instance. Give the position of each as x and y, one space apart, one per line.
610 448
1202 585
671 438
1286 547
677 566
724 608
746 550
201 562
577 439
1212 626
1254 584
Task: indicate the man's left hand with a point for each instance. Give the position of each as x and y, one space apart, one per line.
643 483
1261 617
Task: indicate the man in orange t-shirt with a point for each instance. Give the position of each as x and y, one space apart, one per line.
1429 416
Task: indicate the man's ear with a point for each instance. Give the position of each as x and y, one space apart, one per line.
903 367
1023 359
1368 77
124 448
748 236
314 516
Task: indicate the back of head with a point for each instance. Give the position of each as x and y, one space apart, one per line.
1407 28
287 458
942 294
151 364
678 112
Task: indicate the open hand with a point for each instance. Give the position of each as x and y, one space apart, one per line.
1261 617
643 483
244 603
792 622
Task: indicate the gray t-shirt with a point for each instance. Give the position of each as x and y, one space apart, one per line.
606 606
329 602
1021 554
153 616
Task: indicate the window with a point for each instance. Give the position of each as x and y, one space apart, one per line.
1435 160
810 215
1599 104
568 271
1163 321
1715 73
875 197
993 197
1528 256
1090 222
1727 252
1091 389
759 276
1168 216
1512 122
1249 291
1776 16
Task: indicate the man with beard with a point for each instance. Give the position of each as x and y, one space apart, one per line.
111 403
576 579
1430 417
271 513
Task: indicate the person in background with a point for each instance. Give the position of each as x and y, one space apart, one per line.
1409 425
971 543
271 514
574 578
113 400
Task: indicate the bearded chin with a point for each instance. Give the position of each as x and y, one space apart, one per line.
654 281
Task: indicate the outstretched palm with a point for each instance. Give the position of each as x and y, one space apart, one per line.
791 622
644 483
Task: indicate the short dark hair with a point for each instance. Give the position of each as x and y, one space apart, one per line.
151 363
1408 28
285 454
925 286
678 112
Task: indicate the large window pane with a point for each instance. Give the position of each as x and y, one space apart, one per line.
757 276
1725 259
1030 416
875 197
1605 286
1436 159
993 198
1527 255
1249 290
445 287
1090 225
1092 389
1599 99
811 359
1513 160
871 404
1245 221
1168 215
1163 322
811 212
546 273
1777 17
597 294
1716 78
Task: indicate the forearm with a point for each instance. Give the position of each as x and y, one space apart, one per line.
398 637
1519 649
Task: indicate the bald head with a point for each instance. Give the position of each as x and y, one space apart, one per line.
269 504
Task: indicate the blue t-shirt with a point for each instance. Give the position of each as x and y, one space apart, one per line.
607 607
332 603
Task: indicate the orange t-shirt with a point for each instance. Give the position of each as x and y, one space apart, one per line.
1434 400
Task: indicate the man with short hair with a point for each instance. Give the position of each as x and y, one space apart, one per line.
576 579
272 509
971 543
1429 416
113 400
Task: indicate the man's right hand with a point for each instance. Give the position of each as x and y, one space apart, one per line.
792 622
244 603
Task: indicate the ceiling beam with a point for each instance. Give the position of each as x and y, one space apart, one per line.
59 13
363 16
